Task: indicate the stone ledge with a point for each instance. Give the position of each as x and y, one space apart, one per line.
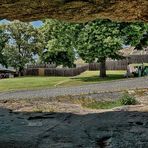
74 10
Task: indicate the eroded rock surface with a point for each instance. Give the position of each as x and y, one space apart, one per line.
66 125
74 10
120 129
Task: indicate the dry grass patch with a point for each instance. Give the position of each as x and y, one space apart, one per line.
69 103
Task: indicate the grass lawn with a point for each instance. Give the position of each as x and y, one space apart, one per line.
26 83
103 105
90 77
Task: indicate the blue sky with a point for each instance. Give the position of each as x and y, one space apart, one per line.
34 23
37 23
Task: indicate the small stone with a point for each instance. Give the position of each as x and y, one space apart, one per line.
35 124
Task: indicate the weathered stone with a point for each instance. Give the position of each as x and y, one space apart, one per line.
24 125
74 10
111 129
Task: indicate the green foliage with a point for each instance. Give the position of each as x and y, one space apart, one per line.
58 56
135 34
24 42
127 99
101 105
95 41
98 40
3 40
59 42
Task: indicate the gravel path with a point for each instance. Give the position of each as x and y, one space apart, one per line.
101 87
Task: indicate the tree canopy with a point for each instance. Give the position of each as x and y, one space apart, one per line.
24 42
135 34
3 41
60 40
99 40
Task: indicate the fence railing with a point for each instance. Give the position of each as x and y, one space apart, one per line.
120 64
110 65
45 70
138 59
41 66
56 71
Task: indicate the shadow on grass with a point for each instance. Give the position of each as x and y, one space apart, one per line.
67 130
97 78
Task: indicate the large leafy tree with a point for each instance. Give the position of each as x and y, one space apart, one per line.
99 40
3 41
135 34
60 40
24 42
58 56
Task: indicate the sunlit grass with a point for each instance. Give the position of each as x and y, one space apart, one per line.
29 83
25 83
90 77
102 105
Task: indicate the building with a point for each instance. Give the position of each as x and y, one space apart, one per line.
7 72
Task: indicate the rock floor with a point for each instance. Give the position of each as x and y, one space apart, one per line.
72 126
109 129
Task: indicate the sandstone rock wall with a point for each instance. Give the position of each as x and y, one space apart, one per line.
74 10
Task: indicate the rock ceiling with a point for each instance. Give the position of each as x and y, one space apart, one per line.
74 10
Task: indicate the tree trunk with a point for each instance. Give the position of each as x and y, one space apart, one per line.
103 68
21 71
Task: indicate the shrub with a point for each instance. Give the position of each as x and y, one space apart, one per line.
127 99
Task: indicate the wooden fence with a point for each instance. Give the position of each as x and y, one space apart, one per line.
138 59
120 64
41 66
110 65
56 71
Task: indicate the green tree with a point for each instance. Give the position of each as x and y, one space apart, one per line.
99 40
135 34
58 56
24 42
3 41
60 40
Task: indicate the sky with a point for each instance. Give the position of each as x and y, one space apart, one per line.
37 23
34 23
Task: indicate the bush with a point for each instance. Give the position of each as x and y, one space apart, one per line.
126 99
